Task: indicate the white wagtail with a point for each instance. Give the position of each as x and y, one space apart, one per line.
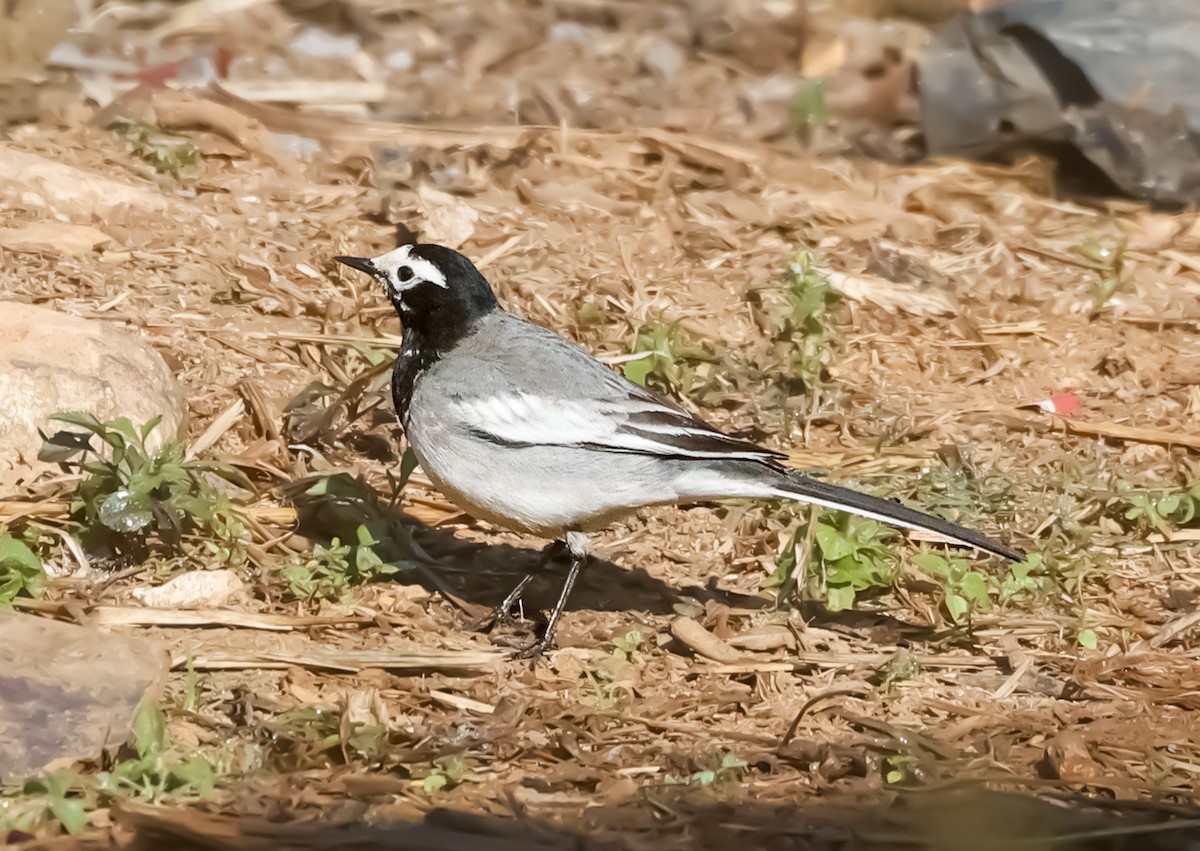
522 428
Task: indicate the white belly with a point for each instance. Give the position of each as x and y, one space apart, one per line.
544 499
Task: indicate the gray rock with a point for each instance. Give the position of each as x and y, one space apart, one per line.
52 362
68 692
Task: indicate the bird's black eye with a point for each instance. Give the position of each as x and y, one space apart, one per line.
404 273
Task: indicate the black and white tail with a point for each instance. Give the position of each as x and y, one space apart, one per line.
810 490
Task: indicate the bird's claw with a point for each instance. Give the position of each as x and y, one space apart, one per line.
533 652
498 617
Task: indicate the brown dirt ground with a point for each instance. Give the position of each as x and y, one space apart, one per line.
967 298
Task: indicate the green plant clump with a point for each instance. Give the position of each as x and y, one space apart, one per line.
725 773
850 558
663 356
166 152
445 772
346 508
21 570
806 341
329 572
628 647
1108 257
136 501
1161 510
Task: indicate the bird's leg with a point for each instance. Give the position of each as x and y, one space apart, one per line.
503 612
577 544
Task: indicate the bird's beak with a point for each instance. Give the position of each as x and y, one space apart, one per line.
362 264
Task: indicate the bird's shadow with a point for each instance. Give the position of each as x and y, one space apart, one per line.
483 573
480 574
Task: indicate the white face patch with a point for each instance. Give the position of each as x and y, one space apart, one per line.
403 271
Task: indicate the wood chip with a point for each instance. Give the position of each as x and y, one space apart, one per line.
220 424
307 91
189 619
460 702
1174 628
50 237
1134 434
346 661
702 642
890 295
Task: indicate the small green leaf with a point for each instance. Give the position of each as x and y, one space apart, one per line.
807 108
834 545
731 761
149 729
637 370
197 773
364 536
839 599
83 419
434 783
69 811
62 446
408 463
1087 638
688 607
454 766
957 606
974 587
16 555
1168 505
933 564
630 641
149 426
20 570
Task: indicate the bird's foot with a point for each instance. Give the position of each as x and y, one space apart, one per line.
500 617
533 652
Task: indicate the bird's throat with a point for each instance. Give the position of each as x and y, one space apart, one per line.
415 357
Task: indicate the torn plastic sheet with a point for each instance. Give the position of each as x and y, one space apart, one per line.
1107 85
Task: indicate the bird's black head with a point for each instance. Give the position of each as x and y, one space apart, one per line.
438 293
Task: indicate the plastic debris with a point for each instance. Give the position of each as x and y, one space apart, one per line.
1065 404
1108 86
